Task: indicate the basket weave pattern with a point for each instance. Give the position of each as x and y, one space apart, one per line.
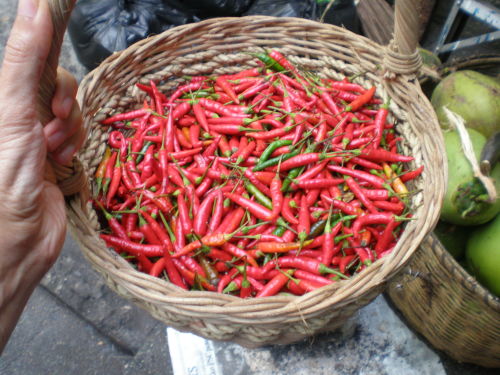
440 300
220 46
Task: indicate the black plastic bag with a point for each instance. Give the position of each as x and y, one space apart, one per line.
284 8
217 8
342 13
98 28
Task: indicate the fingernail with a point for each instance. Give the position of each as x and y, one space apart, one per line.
54 140
65 155
67 104
27 8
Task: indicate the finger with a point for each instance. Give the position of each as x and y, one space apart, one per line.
65 152
26 51
58 131
64 97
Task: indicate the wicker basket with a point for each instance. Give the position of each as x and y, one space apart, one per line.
438 298
218 46
441 301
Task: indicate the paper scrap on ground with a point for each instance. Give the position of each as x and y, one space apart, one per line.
374 342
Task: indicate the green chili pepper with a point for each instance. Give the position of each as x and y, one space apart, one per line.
270 62
279 231
274 161
273 146
293 174
260 196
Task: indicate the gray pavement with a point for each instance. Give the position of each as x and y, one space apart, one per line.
74 324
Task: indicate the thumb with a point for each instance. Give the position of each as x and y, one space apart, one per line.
25 54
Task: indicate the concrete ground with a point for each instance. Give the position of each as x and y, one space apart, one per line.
74 324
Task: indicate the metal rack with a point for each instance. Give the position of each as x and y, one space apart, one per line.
480 10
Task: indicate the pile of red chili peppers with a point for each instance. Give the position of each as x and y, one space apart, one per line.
267 181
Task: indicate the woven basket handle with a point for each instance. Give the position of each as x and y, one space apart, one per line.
402 56
70 178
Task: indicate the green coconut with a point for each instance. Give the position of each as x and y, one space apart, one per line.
466 199
473 96
452 237
483 255
429 59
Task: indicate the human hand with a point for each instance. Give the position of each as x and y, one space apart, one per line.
32 214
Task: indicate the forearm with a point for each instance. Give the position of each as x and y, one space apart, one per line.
11 309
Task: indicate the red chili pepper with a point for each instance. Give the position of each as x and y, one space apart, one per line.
361 100
193 266
380 119
179 110
358 193
190 87
130 222
200 116
182 139
133 247
365 255
329 103
274 286
407 176
228 89
115 182
252 177
318 183
200 222
346 86
160 233
369 219
231 221
127 181
270 134
101 170
283 61
253 90
383 155
304 225
345 262
376 194
302 159
185 220
395 207
279 247
304 275
252 72
239 253
217 254
305 285
226 279
163 203
125 116
157 267
286 211
143 263
277 198
255 208
113 223
108 174
328 247
149 233
375 181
